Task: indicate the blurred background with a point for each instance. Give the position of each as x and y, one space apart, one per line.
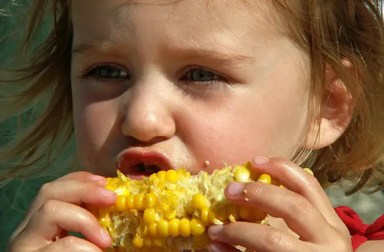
16 196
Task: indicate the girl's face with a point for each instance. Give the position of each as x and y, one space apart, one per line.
194 84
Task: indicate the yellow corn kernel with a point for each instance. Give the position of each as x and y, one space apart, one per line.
197 227
244 212
211 216
154 202
162 228
149 215
251 214
167 212
121 203
199 201
138 242
173 227
129 202
308 170
152 229
172 176
242 174
147 243
157 242
201 241
264 178
204 215
105 221
184 227
104 218
149 200
110 187
162 175
221 213
258 216
138 201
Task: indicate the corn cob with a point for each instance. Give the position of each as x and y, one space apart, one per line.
170 210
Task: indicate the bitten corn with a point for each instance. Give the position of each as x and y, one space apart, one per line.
170 210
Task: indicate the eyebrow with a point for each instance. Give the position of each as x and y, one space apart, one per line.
221 57
91 48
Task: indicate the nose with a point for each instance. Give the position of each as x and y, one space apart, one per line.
148 114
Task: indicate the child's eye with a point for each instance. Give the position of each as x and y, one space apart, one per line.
108 72
202 75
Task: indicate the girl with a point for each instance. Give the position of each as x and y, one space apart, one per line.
163 84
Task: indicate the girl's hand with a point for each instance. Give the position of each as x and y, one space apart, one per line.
303 205
58 210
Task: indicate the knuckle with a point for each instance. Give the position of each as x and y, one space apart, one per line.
79 173
277 161
46 188
71 242
273 240
50 207
312 180
299 205
256 189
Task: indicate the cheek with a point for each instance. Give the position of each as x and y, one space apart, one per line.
94 127
269 125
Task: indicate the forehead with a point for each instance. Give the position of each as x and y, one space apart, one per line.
103 17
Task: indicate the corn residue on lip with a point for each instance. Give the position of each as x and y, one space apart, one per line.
171 210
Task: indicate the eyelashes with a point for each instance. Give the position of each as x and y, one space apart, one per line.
192 74
202 75
106 72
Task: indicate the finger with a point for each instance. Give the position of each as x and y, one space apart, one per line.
75 192
296 179
71 243
257 237
82 176
72 191
222 247
299 214
49 190
55 216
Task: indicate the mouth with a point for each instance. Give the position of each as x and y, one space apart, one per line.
139 164
147 168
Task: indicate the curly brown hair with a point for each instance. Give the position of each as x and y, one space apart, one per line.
330 31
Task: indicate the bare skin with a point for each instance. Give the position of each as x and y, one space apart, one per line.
229 93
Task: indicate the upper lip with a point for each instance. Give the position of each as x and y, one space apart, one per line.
128 160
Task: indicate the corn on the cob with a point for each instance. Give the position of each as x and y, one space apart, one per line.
170 210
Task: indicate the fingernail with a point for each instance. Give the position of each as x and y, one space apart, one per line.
104 235
105 193
235 188
214 230
260 160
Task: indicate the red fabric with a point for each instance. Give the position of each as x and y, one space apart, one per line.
359 231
